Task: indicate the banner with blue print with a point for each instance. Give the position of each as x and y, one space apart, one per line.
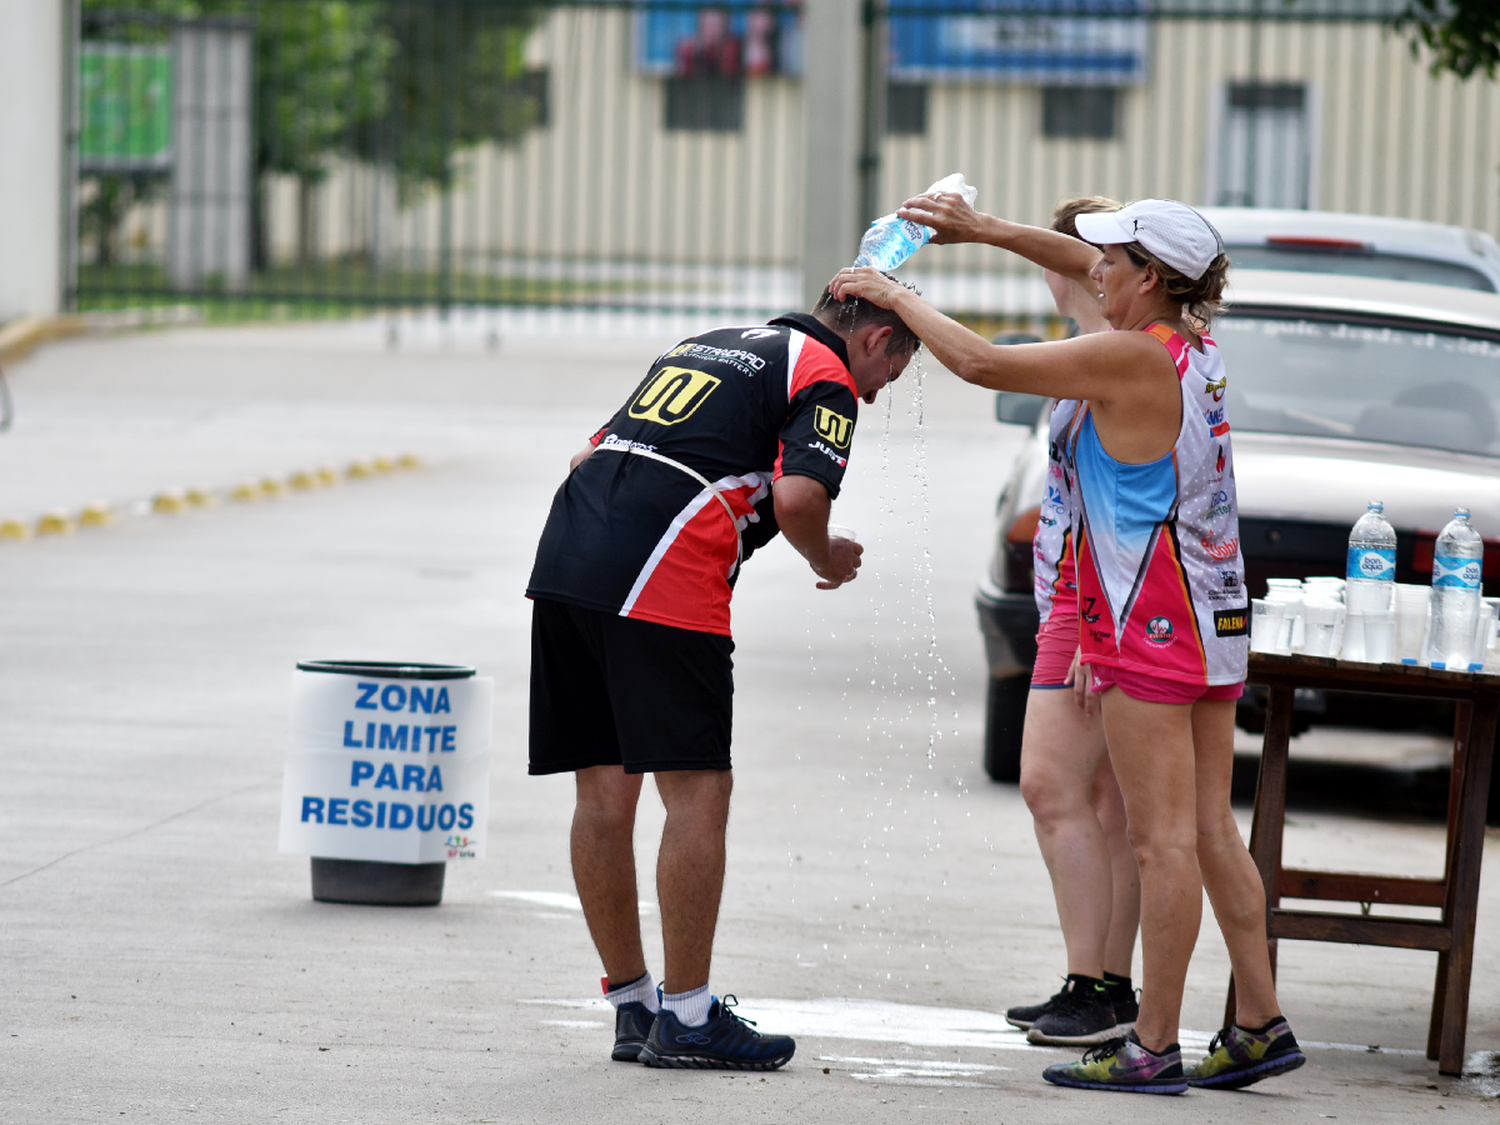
394 770
1045 42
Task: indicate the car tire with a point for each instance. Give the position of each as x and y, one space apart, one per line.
1004 719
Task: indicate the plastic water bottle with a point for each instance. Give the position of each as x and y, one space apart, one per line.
1370 577
1457 570
891 240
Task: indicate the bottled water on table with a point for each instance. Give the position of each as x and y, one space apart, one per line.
1457 570
891 240
1370 579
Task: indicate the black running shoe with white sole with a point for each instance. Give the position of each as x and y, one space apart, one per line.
726 1042
632 1027
1025 1015
1080 1016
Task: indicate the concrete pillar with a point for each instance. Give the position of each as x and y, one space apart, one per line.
32 123
832 91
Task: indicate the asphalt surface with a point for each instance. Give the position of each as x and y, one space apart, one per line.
884 903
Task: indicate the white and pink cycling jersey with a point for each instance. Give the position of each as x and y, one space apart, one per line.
1053 578
1161 583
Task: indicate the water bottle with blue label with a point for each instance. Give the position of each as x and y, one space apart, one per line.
1457 572
1370 577
891 240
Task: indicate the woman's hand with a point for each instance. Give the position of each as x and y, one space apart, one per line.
1078 676
948 214
866 283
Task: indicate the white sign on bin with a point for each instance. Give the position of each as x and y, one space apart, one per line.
393 770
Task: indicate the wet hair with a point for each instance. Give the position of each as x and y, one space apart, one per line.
1200 299
851 314
1065 215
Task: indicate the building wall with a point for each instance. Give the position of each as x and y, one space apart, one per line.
31 154
605 181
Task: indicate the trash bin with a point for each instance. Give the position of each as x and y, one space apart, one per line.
387 777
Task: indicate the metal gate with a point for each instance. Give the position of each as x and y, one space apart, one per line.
283 157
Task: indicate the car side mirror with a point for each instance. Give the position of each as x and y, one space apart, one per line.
1017 408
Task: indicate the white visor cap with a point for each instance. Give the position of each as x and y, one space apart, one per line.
1172 231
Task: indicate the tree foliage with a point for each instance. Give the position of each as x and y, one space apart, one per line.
1463 35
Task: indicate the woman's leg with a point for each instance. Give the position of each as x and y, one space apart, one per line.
1125 876
1061 748
1229 874
1151 748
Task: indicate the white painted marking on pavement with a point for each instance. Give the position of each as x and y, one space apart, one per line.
558 900
918 1025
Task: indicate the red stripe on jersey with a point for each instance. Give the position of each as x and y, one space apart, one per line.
816 363
1176 346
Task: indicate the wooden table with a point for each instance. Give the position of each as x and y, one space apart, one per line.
1456 893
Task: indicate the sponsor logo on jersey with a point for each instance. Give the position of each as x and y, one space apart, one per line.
1216 389
1221 549
826 452
1231 622
1159 632
1088 613
1229 579
673 395
758 333
834 428
1216 423
1219 464
1218 504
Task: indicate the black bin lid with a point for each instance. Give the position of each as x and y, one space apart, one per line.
388 669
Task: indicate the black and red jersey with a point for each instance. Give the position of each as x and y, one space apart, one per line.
741 407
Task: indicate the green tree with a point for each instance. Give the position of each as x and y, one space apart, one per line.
400 83
1463 35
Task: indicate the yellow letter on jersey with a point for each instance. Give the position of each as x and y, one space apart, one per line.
833 428
673 395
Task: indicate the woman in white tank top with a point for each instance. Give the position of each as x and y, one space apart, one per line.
1142 445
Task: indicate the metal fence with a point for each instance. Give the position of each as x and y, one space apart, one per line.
290 155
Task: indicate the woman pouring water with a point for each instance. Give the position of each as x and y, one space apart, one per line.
1162 623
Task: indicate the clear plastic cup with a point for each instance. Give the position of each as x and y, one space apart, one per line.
1267 624
1380 636
1320 625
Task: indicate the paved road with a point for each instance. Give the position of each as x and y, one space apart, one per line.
884 902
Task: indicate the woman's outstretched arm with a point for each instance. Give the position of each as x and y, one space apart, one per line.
956 221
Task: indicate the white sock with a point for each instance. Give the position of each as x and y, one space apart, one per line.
690 1008
640 991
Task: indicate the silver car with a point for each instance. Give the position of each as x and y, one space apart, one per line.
1342 390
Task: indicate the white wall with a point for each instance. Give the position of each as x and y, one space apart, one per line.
31 154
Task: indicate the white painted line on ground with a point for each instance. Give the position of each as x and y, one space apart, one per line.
917 1025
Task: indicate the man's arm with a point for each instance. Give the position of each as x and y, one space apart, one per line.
802 507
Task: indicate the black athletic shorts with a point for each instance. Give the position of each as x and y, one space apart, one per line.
611 690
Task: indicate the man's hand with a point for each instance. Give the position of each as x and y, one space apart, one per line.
802 507
843 563
949 214
581 456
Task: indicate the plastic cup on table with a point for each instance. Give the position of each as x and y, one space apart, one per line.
1411 621
1380 636
1320 625
1267 622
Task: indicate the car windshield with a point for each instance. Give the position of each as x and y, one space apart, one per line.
1367 381
1359 263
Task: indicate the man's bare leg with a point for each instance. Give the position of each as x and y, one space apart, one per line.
603 846
690 871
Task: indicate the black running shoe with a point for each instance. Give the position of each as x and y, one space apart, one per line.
1080 1016
1027 1014
1125 1001
725 1042
632 1026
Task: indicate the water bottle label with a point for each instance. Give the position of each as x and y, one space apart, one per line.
1372 562
1457 573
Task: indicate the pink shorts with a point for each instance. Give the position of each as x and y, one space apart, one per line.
1153 689
1056 643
